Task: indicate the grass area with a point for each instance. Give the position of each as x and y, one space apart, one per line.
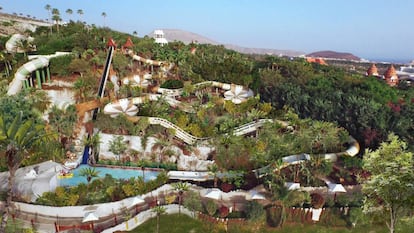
183 224
173 223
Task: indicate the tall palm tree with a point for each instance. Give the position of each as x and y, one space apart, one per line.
69 12
158 210
104 16
49 11
80 13
56 18
17 140
181 188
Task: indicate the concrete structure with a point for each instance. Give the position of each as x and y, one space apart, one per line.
159 37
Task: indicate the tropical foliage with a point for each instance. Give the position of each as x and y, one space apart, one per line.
389 188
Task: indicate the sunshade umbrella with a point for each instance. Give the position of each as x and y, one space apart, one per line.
254 195
89 217
214 194
292 185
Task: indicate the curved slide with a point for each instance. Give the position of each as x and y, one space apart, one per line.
147 61
21 74
236 93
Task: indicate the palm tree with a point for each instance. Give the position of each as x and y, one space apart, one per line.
89 173
7 58
158 210
104 16
162 145
56 17
181 188
25 45
69 12
214 170
49 8
93 143
17 139
80 86
80 13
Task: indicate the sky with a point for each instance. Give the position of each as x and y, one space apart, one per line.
378 30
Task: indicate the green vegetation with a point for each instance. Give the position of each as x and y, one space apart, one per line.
183 223
172 223
315 109
389 188
102 190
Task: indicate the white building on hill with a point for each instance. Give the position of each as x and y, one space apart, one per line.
160 37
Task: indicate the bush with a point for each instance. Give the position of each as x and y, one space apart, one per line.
192 201
59 65
254 210
274 216
224 211
210 207
317 201
172 84
237 214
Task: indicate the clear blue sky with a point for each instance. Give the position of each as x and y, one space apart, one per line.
371 29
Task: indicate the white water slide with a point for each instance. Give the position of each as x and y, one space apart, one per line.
21 74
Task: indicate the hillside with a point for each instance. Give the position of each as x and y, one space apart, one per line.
334 55
188 37
11 24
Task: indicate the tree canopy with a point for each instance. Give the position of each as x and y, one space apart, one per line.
389 187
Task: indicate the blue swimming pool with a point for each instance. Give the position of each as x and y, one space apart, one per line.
117 173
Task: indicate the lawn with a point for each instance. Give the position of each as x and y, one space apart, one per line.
173 223
183 224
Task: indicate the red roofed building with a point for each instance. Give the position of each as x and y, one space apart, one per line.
128 44
390 76
372 71
111 43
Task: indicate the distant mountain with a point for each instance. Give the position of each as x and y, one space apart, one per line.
185 36
334 55
188 37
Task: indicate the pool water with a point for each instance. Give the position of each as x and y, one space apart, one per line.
117 173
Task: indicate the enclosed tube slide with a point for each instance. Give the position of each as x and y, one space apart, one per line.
40 61
22 73
148 61
12 43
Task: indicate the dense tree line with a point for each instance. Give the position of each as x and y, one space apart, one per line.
367 107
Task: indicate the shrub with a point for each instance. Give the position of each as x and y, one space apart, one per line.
224 211
274 216
237 214
317 201
192 201
59 65
210 207
172 84
254 210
